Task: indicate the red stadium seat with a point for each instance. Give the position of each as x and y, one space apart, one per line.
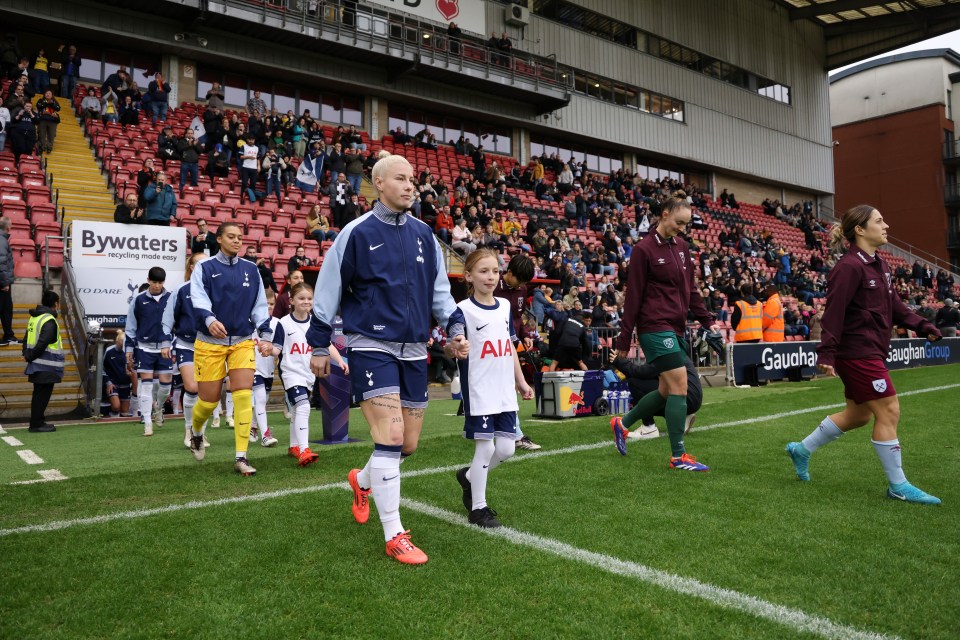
29 269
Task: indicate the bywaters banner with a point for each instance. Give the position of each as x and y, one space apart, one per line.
775 361
110 261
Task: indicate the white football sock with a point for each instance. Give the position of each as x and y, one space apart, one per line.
229 411
824 434
890 458
301 418
477 474
162 391
505 448
260 408
189 400
385 485
363 477
146 402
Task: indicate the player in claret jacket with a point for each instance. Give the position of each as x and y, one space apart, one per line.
862 307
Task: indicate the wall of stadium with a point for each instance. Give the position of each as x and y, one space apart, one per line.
727 128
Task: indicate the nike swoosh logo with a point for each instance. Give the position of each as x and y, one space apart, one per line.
374 248
386 479
483 327
216 275
485 466
291 333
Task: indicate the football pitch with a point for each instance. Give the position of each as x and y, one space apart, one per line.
141 541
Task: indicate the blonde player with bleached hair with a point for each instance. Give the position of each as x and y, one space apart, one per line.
385 273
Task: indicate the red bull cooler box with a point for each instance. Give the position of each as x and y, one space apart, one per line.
566 394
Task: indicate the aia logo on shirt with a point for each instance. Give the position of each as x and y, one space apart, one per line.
300 348
496 349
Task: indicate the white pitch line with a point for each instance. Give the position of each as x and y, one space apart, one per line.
57 525
29 456
727 598
46 475
13 442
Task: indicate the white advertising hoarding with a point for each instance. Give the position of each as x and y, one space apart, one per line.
110 261
470 15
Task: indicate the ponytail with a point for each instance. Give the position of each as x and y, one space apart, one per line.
846 229
835 240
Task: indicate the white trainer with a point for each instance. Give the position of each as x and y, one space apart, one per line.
148 431
158 416
186 437
254 434
644 433
215 423
206 443
268 441
229 422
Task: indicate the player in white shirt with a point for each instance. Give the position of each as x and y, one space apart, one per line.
489 380
290 343
263 384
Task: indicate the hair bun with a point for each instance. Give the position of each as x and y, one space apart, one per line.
679 193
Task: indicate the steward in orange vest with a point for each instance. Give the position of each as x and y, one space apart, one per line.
747 317
772 316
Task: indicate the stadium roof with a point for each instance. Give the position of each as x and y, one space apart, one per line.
949 54
857 29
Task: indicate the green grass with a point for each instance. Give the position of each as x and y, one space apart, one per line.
298 566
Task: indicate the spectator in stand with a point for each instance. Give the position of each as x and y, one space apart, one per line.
273 166
127 212
506 48
205 241
161 201
4 126
129 111
109 106
426 139
444 225
6 284
353 169
215 96
159 92
479 162
282 305
336 162
90 106
462 238
144 177
318 227
400 137
355 139
256 106
353 210
565 180
299 260
23 132
339 193
69 70
454 34
189 150
946 320
218 161
249 170
793 324
118 81
41 74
